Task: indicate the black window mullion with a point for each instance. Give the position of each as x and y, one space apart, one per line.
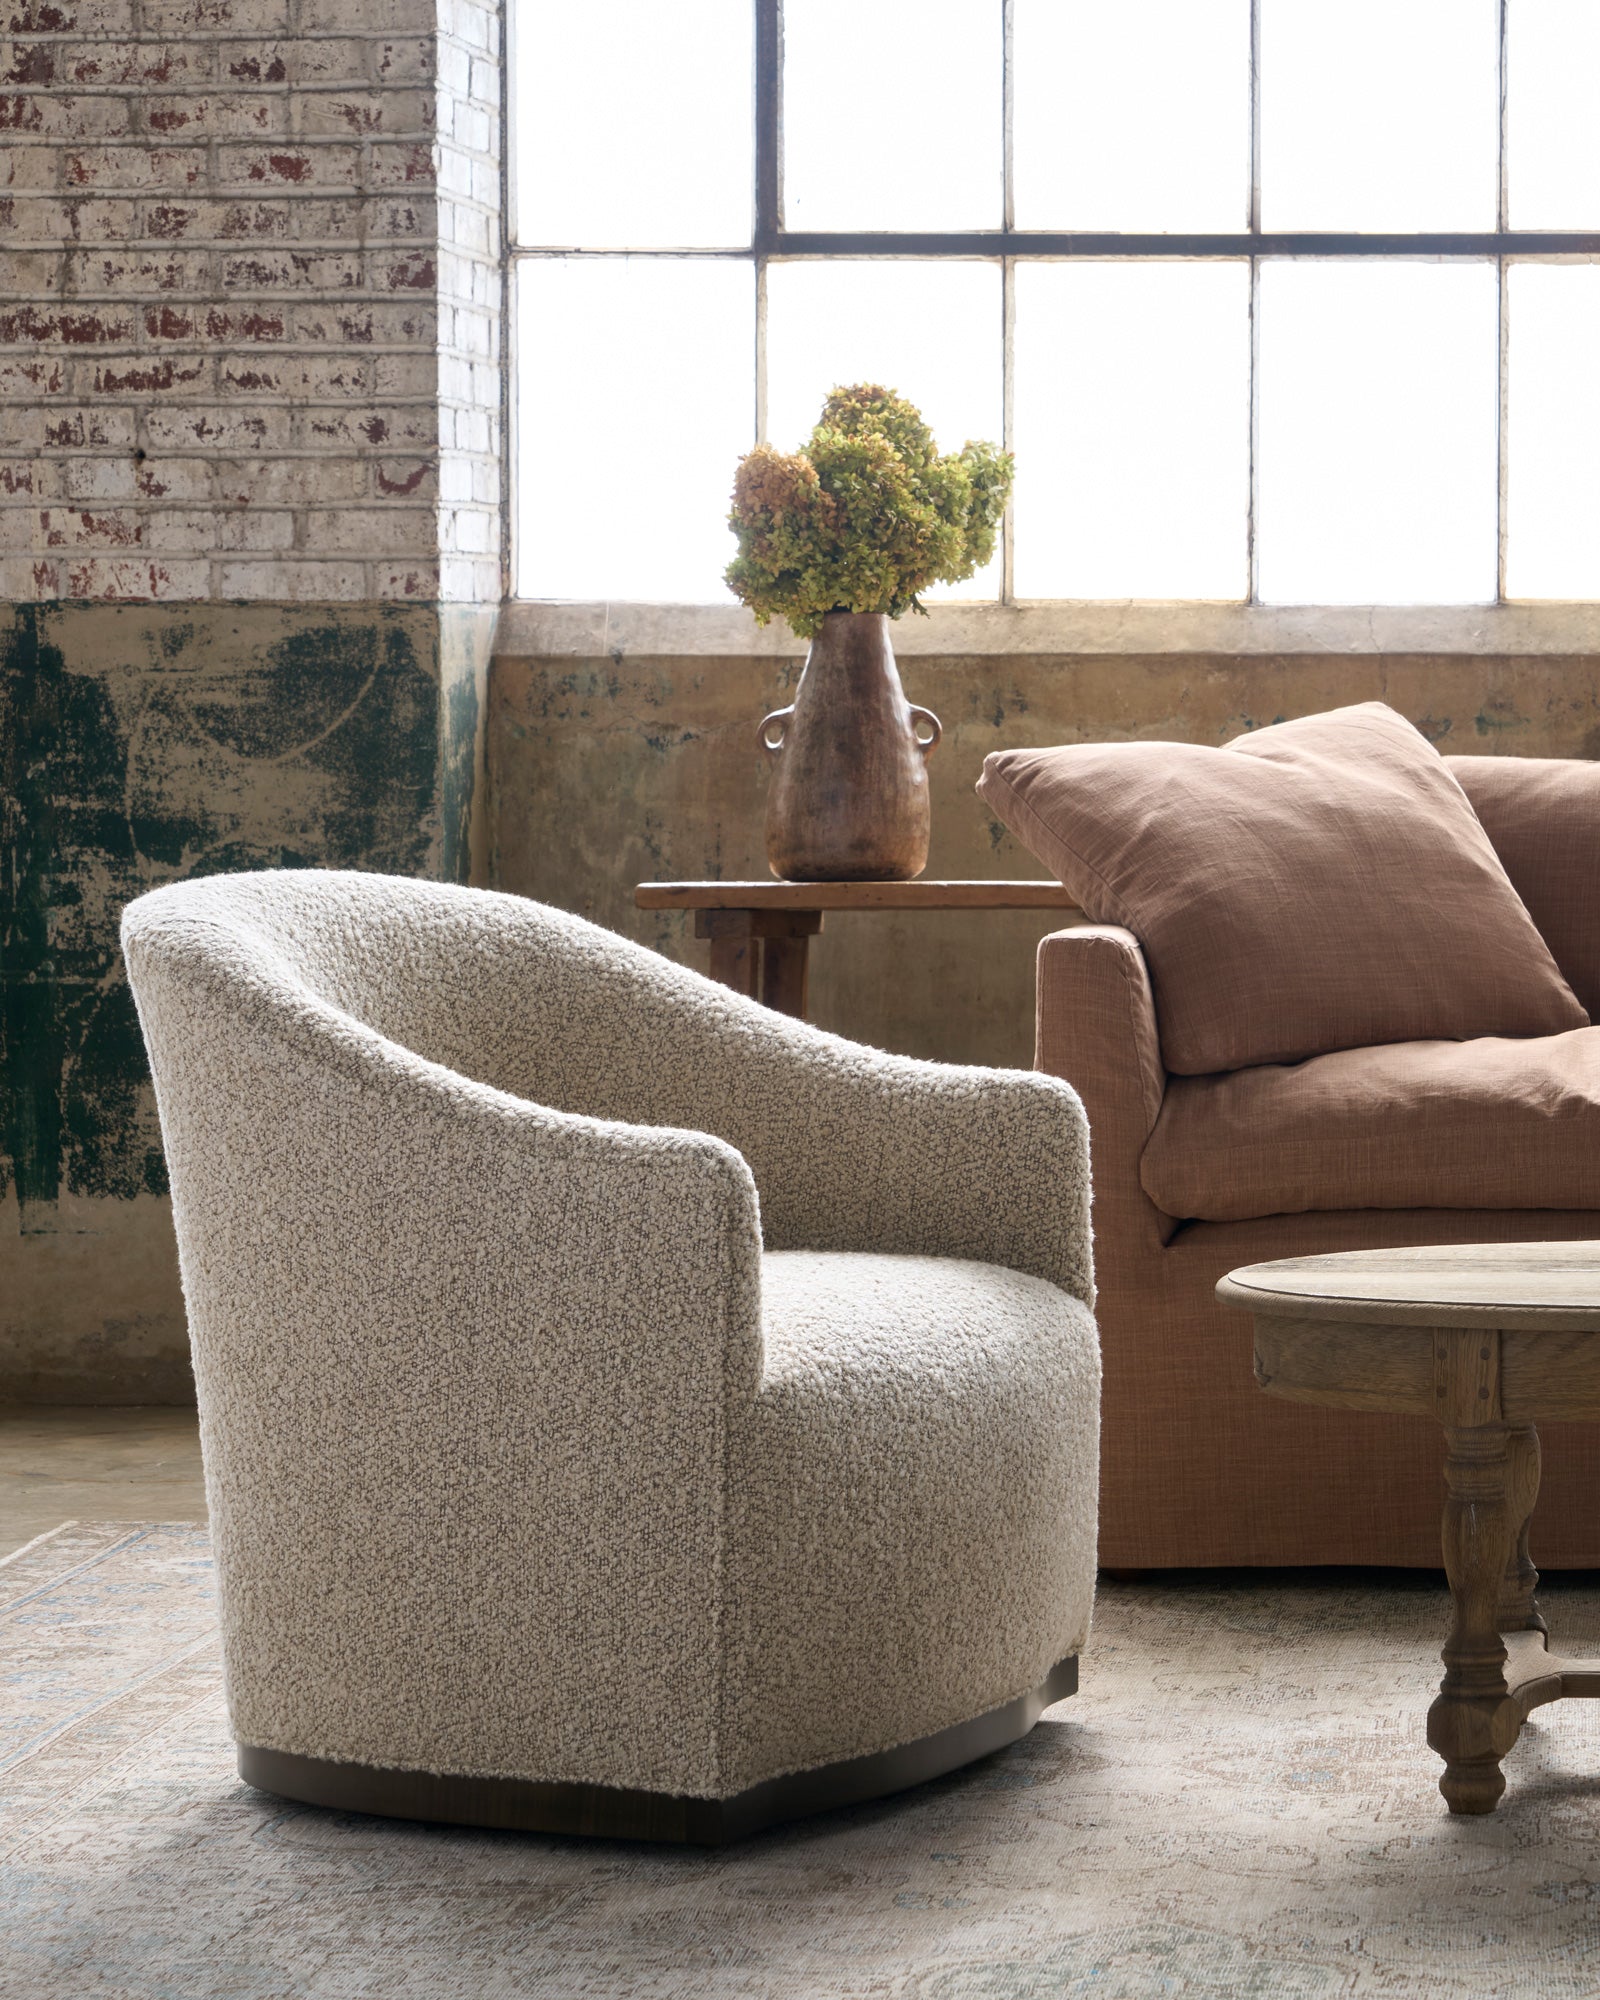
1503 225
1252 505
1253 211
768 178
1008 201
1253 417
1008 285
769 124
761 350
1008 326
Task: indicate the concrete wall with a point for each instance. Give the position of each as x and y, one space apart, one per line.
250 358
609 771
140 744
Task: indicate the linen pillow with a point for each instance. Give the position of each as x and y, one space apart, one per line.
1320 884
1543 816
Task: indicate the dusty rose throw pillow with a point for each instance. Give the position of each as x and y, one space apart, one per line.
1543 815
1321 884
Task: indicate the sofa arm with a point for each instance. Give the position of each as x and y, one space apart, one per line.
1096 1026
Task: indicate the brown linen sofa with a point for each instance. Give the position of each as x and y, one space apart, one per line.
1421 1142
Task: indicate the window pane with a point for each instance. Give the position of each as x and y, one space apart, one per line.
1552 134
1133 430
1379 114
1553 432
636 397
633 123
1134 116
892 114
930 331
1379 395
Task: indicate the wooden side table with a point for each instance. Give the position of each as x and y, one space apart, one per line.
760 931
1486 1338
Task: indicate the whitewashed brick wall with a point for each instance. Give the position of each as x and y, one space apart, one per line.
250 299
471 278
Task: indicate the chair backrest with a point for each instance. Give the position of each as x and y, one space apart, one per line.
1543 816
505 991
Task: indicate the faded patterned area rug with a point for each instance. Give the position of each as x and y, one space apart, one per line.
1240 1803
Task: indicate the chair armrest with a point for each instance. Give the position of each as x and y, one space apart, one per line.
851 1148
857 1150
1096 1024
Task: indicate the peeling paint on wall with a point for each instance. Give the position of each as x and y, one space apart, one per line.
139 746
466 633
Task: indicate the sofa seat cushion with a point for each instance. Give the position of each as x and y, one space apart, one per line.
1491 1123
1319 884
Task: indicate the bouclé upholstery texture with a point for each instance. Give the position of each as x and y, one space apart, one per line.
603 1379
1319 884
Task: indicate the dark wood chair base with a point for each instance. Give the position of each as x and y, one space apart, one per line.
517 1805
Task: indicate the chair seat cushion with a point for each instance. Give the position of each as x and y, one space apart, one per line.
1318 884
1491 1123
911 1503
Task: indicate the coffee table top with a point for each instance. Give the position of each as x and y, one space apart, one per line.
1554 1287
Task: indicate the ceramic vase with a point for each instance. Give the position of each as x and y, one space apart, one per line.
849 797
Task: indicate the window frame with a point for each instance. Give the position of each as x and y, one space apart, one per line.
771 241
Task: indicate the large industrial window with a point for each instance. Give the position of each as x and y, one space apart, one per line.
1276 301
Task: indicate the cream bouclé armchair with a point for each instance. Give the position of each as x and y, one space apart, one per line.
625 1409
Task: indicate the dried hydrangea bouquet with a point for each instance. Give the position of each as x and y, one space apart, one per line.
838 538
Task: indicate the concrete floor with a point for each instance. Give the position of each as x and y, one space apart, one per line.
60 1464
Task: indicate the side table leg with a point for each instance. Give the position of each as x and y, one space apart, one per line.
783 974
1519 1608
1473 1721
735 948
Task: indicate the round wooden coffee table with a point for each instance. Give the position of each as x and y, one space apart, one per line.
1489 1338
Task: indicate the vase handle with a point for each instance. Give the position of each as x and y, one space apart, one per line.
926 744
780 717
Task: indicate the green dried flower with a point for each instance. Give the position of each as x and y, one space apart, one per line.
865 517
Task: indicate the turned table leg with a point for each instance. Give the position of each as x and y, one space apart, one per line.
1519 1608
1474 1722
1488 1492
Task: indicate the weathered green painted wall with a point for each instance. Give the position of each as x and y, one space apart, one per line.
611 771
140 744
466 636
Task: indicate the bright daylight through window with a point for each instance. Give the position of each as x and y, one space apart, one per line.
1277 301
